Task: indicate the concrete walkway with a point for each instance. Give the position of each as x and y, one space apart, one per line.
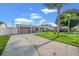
51 48
19 46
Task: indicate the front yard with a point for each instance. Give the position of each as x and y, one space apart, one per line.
64 37
3 41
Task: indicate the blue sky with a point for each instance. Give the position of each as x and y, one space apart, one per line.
29 13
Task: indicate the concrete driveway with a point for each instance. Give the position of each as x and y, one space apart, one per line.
19 46
32 45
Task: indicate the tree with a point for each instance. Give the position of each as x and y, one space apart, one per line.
70 18
58 6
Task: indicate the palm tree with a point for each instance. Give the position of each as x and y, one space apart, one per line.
69 18
69 15
58 6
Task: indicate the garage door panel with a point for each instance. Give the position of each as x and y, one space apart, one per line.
24 31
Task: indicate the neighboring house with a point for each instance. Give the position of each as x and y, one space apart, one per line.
8 31
4 30
48 27
76 28
2 26
63 28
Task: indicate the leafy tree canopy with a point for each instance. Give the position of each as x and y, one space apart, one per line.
54 5
72 15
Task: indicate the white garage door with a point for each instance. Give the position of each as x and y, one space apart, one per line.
24 31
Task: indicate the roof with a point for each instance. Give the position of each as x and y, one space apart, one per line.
77 27
22 25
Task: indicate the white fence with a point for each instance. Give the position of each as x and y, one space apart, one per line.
8 31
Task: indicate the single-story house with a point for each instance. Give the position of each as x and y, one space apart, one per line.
25 29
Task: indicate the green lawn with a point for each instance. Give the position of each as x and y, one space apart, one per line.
67 38
3 41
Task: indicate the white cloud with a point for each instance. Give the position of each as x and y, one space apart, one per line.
21 20
42 21
18 22
35 16
46 10
53 24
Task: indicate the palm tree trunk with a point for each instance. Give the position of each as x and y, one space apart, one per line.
68 25
58 21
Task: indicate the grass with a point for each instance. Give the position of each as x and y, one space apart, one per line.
3 41
64 37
